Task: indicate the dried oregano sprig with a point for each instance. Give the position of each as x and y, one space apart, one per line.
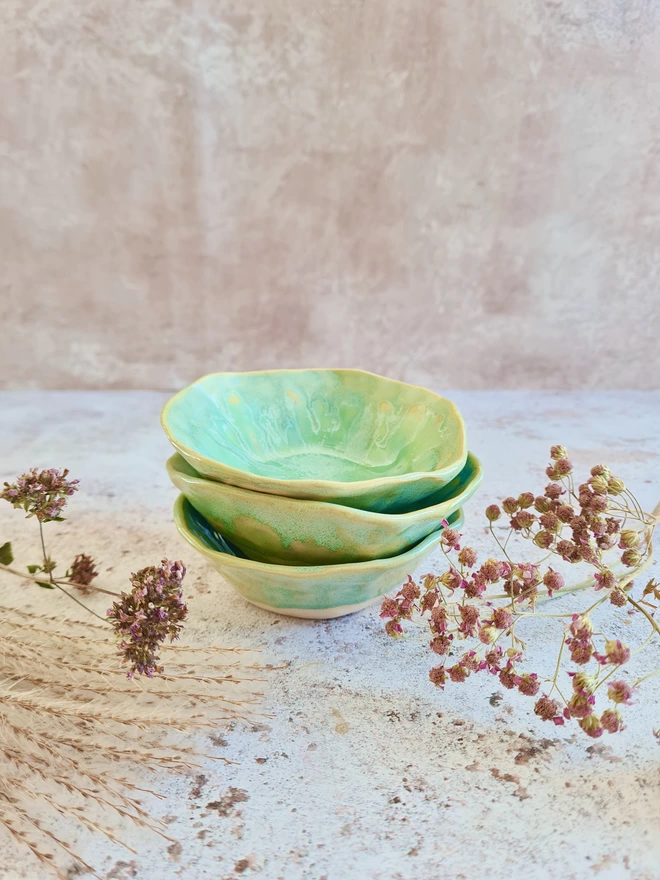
482 606
144 618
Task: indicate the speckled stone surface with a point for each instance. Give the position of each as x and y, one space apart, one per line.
364 770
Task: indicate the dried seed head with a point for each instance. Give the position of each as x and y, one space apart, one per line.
544 540
629 538
493 513
615 486
510 505
525 500
541 504
558 452
618 598
599 484
631 558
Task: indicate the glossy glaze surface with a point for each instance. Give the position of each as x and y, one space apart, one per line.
334 435
320 591
293 531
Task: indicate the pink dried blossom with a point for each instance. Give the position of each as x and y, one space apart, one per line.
41 493
620 692
611 721
438 676
151 613
615 652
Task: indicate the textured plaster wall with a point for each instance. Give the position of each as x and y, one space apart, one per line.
460 192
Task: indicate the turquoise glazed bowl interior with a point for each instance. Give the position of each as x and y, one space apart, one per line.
344 436
295 531
315 591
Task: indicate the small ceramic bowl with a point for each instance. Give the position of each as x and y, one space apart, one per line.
314 591
345 436
292 531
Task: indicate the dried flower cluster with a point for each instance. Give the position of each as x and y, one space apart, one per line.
483 604
151 613
41 493
72 729
144 618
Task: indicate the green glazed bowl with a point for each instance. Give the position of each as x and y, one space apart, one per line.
292 531
313 591
345 436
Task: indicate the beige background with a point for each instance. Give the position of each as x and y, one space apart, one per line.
463 193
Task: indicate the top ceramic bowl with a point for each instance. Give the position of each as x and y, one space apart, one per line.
345 436
293 531
317 591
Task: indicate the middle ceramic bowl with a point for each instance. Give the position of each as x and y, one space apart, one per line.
315 591
292 531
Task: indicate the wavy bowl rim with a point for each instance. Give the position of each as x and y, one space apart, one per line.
342 488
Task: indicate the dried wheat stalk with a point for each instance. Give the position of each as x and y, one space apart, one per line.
73 727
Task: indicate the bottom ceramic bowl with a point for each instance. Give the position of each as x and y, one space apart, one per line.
315 591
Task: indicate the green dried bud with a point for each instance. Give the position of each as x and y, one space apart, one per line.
525 500
493 513
615 486
600 470
631 558
557 452
583 683
544 540
629 538
541 504
510 505
599 484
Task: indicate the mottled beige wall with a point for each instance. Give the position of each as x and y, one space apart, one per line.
465 193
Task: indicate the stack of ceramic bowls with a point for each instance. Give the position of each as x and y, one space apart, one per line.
315 492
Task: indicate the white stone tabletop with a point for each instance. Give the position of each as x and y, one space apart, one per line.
362 769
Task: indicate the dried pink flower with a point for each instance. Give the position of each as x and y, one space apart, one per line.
620 692
438 676
82 571
389 608
529 684
615 652
458 673
591 726
547 709
467 557
41 493
611 721
441 644
451 538
469 619
553 581
151 613
394 629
